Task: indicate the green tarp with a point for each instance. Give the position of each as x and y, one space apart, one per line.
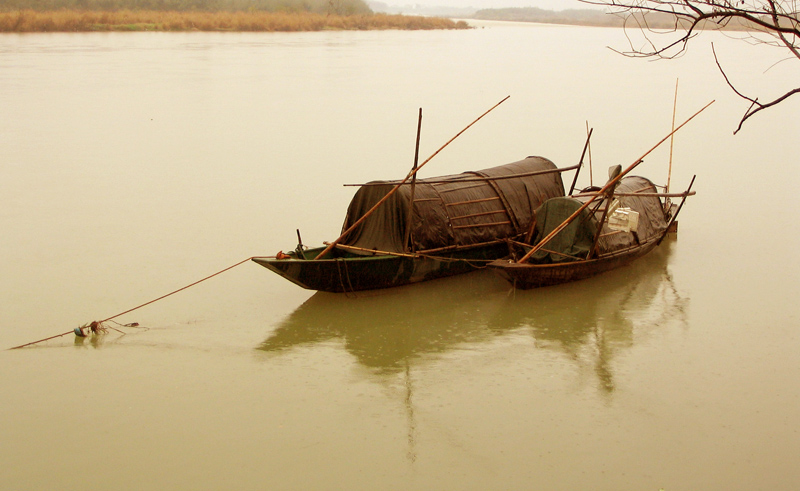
575 241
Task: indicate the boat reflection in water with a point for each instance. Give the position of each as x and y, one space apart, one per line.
590 321
387 331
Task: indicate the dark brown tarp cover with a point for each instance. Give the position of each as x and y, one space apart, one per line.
458 210
575 241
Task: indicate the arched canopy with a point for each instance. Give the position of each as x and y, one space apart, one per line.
453 211
575 241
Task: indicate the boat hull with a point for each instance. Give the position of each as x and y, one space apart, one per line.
526 276
351 273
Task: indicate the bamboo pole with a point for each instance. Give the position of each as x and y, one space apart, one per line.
451 248
476 179
580 163
409 218
667 201
646 195
531 229
591 173
610 184
375 252
428 254
675 216
394 190
609 196
672 138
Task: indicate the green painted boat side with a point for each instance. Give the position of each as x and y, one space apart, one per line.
345 272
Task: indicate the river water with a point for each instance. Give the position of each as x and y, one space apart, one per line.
136 163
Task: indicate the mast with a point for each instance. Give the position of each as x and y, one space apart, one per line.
410 217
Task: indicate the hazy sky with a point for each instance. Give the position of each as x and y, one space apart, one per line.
485 4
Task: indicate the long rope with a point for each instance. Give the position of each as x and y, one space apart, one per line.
142 305
179 289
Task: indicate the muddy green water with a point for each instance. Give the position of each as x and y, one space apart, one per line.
134 164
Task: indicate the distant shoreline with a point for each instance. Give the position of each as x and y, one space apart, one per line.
573 17
598 18
172 21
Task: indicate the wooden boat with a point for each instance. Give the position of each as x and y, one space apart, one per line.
428 228
583 241
625 224
401 232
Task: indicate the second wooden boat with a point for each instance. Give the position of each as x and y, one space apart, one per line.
623 226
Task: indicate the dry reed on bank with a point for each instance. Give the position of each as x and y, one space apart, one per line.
140 20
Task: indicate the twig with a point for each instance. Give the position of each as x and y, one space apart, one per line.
753 102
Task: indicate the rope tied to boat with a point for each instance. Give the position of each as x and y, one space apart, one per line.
339 263
102 326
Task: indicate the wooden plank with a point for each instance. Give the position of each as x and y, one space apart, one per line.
484 200
478 215
455 188
477 225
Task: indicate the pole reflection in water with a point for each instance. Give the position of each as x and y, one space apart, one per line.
412 424
389 331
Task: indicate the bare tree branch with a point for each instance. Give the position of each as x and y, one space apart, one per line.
773 23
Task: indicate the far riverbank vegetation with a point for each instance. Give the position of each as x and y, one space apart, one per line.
205 15
580 17
594 17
